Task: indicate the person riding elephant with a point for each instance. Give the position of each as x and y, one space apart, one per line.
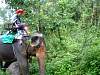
15 19
22 29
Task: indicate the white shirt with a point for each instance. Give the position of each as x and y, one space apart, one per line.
13 18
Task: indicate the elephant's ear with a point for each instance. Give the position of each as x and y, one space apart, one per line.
36 39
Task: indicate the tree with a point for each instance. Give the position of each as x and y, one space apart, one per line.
71 29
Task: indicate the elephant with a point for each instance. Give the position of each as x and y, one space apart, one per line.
29 46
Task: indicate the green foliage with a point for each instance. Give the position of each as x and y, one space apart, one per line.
72 33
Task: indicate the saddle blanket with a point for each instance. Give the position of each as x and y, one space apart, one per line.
7 38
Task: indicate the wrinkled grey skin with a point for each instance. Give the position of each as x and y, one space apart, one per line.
13 69
7 54
12 52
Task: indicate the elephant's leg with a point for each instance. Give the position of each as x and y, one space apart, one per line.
40 54
6 65
22 60
14 68
1 64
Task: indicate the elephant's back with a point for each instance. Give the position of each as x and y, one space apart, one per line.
6 51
